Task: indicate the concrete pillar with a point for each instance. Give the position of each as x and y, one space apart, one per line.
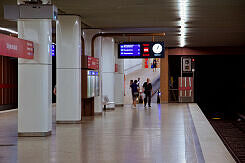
108 69
164 78
68 64
35 80
87 35
119 79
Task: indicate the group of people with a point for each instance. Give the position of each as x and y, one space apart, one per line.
147 89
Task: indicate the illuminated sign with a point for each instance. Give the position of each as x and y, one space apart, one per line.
141 50
128 50
53 49
93 73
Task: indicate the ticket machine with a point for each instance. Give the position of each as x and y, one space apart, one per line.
90 84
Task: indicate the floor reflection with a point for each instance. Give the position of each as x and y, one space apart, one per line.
122 136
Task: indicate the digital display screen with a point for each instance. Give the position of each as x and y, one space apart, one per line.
141 50
129 50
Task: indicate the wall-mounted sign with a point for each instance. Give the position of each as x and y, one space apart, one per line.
93 63
116 67
186 64
185 86
93 73
53 49
15 47
141 50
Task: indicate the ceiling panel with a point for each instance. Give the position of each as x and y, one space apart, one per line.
207 23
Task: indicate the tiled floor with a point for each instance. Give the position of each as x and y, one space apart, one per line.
165 133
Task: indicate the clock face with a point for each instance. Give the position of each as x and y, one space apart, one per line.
157 48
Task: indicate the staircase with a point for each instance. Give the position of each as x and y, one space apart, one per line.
143 74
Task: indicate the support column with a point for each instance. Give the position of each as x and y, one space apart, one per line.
87 35
108 69
164 78
119 80
35 80
68 64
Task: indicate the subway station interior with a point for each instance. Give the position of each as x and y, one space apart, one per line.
122 81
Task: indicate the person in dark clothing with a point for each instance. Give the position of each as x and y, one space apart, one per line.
148 92
131 82
154 65
135 92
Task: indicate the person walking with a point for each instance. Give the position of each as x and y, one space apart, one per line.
131 82
135 92
139 87
148 92
138 82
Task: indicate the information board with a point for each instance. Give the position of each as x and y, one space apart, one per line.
93 63
15 47
141 50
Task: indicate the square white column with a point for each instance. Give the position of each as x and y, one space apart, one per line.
35 80
68 65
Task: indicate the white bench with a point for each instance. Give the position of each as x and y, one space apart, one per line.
107 102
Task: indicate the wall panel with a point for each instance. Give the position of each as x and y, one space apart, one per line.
8 81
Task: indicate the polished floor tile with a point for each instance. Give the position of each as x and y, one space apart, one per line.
162 134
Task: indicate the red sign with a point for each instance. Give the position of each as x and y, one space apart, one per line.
186 83
146 63
116 67
185 86
15 47
146 50
93 63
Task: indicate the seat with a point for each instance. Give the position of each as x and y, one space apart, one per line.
106 102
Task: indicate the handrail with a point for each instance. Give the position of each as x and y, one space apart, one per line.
133 66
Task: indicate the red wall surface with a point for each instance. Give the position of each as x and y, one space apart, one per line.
8 81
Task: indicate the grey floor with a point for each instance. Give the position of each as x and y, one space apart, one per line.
164 133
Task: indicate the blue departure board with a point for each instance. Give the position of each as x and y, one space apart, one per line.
141 50
128 50
53 49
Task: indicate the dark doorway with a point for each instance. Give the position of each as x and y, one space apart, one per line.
219 82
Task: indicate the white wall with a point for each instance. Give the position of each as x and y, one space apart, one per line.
131 65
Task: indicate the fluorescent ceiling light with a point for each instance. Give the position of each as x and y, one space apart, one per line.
183 19
8 30
182 41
